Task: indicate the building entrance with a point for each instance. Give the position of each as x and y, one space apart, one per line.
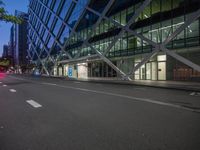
154 70
161 70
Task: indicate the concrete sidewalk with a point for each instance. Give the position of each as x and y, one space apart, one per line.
178 85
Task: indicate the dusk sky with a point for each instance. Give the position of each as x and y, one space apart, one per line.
11 6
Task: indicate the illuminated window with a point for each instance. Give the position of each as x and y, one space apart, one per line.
161 57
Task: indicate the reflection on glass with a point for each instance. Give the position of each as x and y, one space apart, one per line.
76 12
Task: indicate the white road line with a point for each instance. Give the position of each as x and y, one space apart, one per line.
49 83
0 82
18 78
4 85
133 98
195 94
34 103
158 102
192 94
13 90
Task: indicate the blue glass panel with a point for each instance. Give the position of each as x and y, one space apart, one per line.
65 8
57 27
55 50
77 12
50 21
50 43
42 13
56 5
45 15
49 3
45 36
65 35
45 1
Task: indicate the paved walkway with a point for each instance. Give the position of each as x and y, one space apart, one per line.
191 86
179 85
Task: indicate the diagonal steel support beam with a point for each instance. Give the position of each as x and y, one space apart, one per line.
31 46
124 28
55 63
110 3
55 40
145 60
71 34
84 58
94 49
97 51
191 19
121 73
102 56
29 55
73 30
56 37
161 46
43 66
181 59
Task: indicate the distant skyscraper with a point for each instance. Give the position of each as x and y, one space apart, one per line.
5 51
20 39
12 42
128 39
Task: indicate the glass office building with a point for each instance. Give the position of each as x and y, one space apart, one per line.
20 41
127 39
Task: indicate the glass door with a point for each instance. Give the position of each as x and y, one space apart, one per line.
148 71
154 71
161 70
142 73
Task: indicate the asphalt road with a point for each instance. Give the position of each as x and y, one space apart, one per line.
53 114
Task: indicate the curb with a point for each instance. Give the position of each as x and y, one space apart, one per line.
175 87
191 89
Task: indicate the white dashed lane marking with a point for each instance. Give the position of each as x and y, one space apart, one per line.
0 82
45 83
34 103
195 94
13 90
158 102
4 85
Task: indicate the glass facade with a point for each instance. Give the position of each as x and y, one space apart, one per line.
58 29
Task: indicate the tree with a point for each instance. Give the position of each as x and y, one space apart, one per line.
4 16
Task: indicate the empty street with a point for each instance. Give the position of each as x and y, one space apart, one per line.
54 114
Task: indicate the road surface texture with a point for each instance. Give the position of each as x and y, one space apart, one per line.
53 114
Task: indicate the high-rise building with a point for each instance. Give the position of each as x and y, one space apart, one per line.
12 41
128 39
20 46
5 51
11 46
